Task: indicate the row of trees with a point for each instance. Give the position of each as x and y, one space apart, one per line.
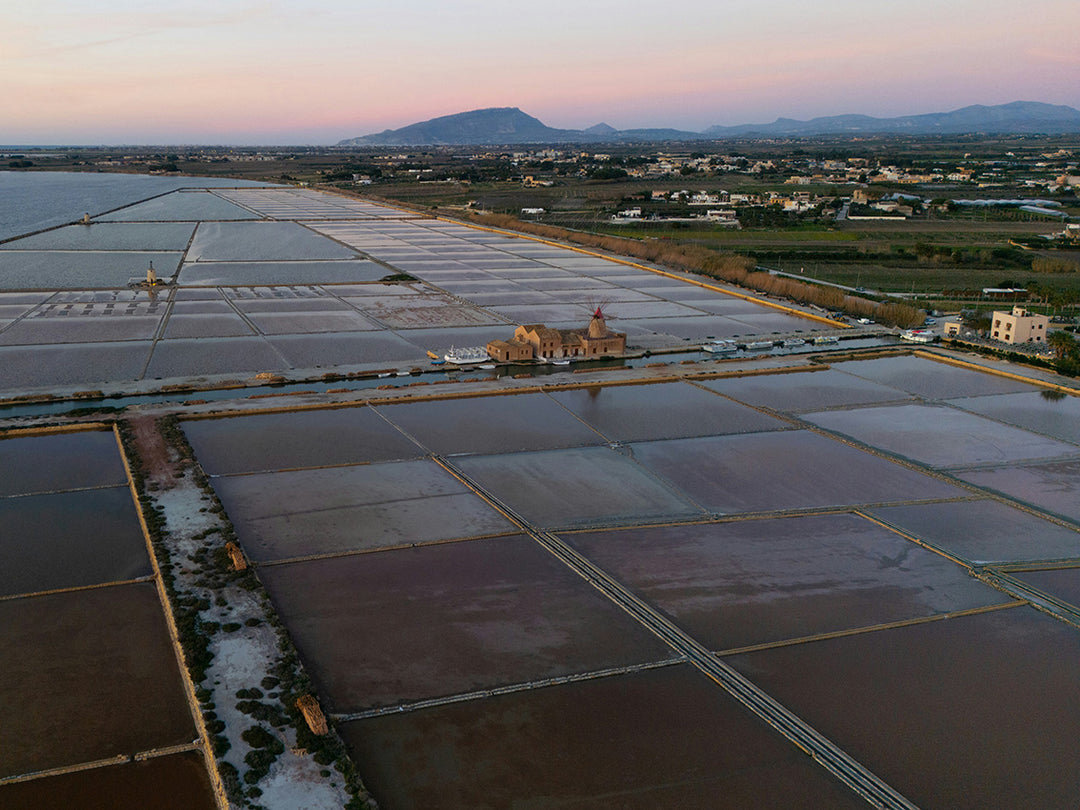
1043 264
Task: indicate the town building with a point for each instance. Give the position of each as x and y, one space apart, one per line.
1019 326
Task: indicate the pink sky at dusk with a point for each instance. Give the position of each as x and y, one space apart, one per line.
265 72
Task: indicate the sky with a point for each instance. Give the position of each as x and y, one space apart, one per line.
267 72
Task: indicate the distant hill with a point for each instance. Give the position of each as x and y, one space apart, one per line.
509 125
1018 117
494 125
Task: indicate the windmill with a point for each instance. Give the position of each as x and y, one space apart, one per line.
596 306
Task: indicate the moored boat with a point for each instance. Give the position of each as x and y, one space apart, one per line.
917 335
467 354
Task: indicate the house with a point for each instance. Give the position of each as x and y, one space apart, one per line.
510 351
1019 326
725 216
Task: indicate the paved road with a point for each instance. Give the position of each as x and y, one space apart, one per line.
804 277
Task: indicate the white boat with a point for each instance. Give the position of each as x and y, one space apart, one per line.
823 340
720 347
917 335
465 355
759 344
562 361
791 343
486 366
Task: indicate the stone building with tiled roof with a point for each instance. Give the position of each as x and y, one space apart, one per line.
538 341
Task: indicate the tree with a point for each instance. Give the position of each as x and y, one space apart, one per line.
978 321
1063 344
608 173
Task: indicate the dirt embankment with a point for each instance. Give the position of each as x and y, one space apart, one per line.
157 460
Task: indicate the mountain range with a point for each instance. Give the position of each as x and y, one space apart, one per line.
509 125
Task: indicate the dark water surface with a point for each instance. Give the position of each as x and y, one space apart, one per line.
176 782
940 436
580 485
1053 486
292 514
972 713
63 461
70 539
984 531
931 379
279 441
445 619
87 675
788 469
736 584
665 411
666 738
30 201
1063 583
805 391
491 424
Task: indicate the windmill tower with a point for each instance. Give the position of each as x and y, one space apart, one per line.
597 325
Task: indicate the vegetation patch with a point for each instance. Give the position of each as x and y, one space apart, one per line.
213 603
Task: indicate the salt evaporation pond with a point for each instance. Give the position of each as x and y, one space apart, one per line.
940 436
448 618
629 412
971 713
660 738
753 582
70 539
353 508
174 782
760 472
30 201
984 531
1051 413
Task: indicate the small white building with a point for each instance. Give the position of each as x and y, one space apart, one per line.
1019 326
